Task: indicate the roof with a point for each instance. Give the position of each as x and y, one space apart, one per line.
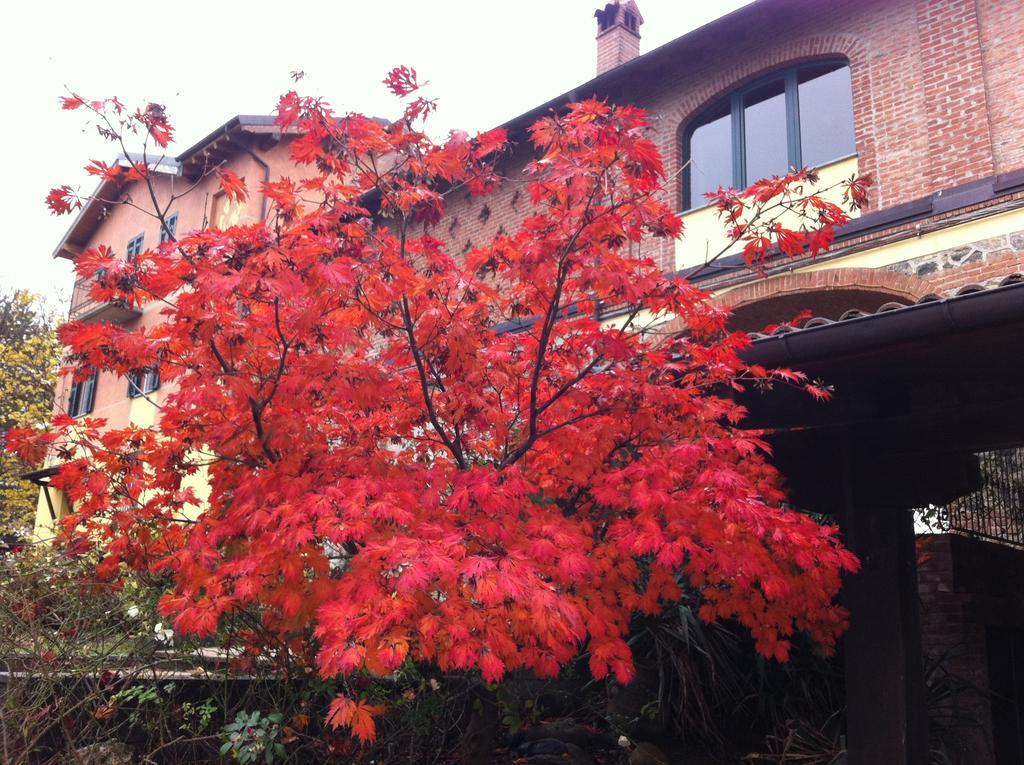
108 191
917 390
998 301
89 216
253 123
101 199
940 324
238 121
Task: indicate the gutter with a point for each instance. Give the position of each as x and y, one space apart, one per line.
974 310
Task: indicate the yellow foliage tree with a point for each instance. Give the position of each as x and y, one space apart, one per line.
29 360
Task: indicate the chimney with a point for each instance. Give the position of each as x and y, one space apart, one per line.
618 34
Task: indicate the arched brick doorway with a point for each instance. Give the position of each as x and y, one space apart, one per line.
829 293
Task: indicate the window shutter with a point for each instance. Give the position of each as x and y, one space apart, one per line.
74 398
134 385
89 393
171 230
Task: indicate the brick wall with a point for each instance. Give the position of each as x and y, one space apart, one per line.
952 636
956 103
936 90
1002 50
616 46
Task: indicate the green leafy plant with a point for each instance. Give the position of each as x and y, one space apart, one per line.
254 736
197 716
135 699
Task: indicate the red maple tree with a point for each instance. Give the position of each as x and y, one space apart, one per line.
489 461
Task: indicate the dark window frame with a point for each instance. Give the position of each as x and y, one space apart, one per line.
734 99
143 381
136 246
169 228
83 395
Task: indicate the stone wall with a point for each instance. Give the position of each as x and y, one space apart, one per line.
977 263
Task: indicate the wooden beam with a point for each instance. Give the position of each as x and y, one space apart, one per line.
885 714
815 464
886 720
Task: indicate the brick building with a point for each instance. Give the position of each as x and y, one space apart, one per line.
923 95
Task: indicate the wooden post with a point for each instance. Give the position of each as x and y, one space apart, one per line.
886 720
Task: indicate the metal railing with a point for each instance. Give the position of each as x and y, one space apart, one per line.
82 301
996 510
84 306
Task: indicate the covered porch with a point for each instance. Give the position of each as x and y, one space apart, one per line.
919 392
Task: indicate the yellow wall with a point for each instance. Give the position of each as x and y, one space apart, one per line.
916 246
44 527
704 232
928 243
142 412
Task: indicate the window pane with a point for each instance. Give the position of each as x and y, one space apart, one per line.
764 127
135 247
710 157
826 114
171 229
89 393
152 379
75 398
83 395
134 385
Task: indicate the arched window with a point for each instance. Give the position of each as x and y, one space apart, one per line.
796 117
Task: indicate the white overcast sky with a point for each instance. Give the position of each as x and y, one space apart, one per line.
206 61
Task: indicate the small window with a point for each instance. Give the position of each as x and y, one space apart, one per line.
169 229
224 212
802 116
83 395
143 381
135 246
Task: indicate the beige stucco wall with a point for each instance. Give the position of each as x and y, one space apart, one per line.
122 223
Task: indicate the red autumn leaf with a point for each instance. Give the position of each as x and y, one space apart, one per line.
233 186
154 118
357 715
856 193
489 142
103 170
62 200
402 81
